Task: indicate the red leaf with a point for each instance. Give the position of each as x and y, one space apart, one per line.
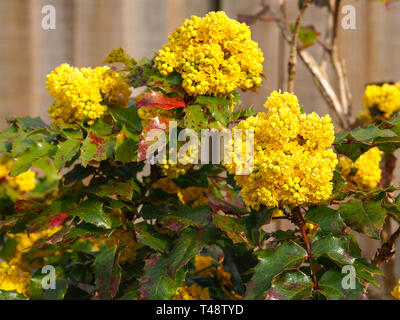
58 219
154 98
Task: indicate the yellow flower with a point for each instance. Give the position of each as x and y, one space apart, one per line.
84 93
385 98
292 163
193 196
12 278
396 291
365 172
26 241
277 213
204 265
345 165
193 292
368 173
223 276
215 55
24 182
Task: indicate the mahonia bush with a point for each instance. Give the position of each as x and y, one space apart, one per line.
79 195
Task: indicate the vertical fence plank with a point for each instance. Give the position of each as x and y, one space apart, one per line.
14 59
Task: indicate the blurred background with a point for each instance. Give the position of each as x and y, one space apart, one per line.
87 30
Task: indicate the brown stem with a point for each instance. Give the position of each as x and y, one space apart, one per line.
386 252
298 220
293 47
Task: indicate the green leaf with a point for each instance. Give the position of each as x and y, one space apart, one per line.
233 228
119 55
218 106
356 142
11 295
195 117
29 123
331 287
156 283
308 35
91 211
85 230
65 152
24 161
327 219
364 217
113 188
243 113
333 248
108 272
185 216
127 146
146 74
366 271
128 118
189 244
291 285
96 148
273 262
148 235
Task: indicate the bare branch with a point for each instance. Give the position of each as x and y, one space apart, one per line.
293 47
334 7
323 85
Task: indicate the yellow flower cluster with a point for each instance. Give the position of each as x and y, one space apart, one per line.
23 182
84 93
15 274
292 165
204 267
385 98
396 291
191 196
25 241
277 213
215 55
12 278
365 171
193 292
126 238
